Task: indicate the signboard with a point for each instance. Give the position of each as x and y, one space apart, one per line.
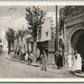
51 46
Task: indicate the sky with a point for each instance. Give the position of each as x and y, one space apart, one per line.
14 16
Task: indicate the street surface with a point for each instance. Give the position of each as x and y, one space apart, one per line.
14 69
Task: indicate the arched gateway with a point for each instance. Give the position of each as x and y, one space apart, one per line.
74 37
77 41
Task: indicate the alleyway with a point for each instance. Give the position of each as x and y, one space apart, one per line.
13 69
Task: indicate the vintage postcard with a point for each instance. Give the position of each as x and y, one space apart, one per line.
41 41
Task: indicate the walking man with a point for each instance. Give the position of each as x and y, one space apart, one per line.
44 61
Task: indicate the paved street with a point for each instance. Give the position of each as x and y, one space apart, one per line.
14 69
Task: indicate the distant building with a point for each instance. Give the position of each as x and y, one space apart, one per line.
4 41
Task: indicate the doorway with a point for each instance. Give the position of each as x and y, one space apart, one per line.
77 42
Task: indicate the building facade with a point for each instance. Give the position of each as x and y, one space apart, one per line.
44 33
74 35
44 37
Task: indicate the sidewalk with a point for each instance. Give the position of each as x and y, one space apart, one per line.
11 57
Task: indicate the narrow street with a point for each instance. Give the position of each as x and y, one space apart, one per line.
13 69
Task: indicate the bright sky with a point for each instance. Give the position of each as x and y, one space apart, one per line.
14 16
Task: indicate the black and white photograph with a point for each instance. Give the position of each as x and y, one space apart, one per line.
42 41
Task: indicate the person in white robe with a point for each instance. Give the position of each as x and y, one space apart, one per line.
77 62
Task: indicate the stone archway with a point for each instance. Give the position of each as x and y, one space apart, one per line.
77 42
73 37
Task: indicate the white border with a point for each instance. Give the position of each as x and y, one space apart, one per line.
41 79
39 3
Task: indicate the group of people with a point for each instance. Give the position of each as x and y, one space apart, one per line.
59 59
24 55
77 61
43 57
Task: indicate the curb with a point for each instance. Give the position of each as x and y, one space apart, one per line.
32 64
11 58
78 74
15 59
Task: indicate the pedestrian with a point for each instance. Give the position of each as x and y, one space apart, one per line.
77 62
30 58
44 61
26 57
56 58
60 60
20 53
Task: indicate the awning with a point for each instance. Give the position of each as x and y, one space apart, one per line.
47 45
42 45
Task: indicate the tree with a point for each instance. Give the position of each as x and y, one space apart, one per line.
21 33
19 36
10 36
35 18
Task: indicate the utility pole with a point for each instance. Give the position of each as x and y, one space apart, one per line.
57 31
57 36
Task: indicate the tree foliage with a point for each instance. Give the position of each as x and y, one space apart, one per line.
21 33
10 36
35 18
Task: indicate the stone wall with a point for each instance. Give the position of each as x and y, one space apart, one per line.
72 25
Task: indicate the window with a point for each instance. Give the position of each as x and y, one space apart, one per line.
39 33
46 34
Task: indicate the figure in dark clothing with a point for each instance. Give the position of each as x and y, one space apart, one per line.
60 60
44 60
20 53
